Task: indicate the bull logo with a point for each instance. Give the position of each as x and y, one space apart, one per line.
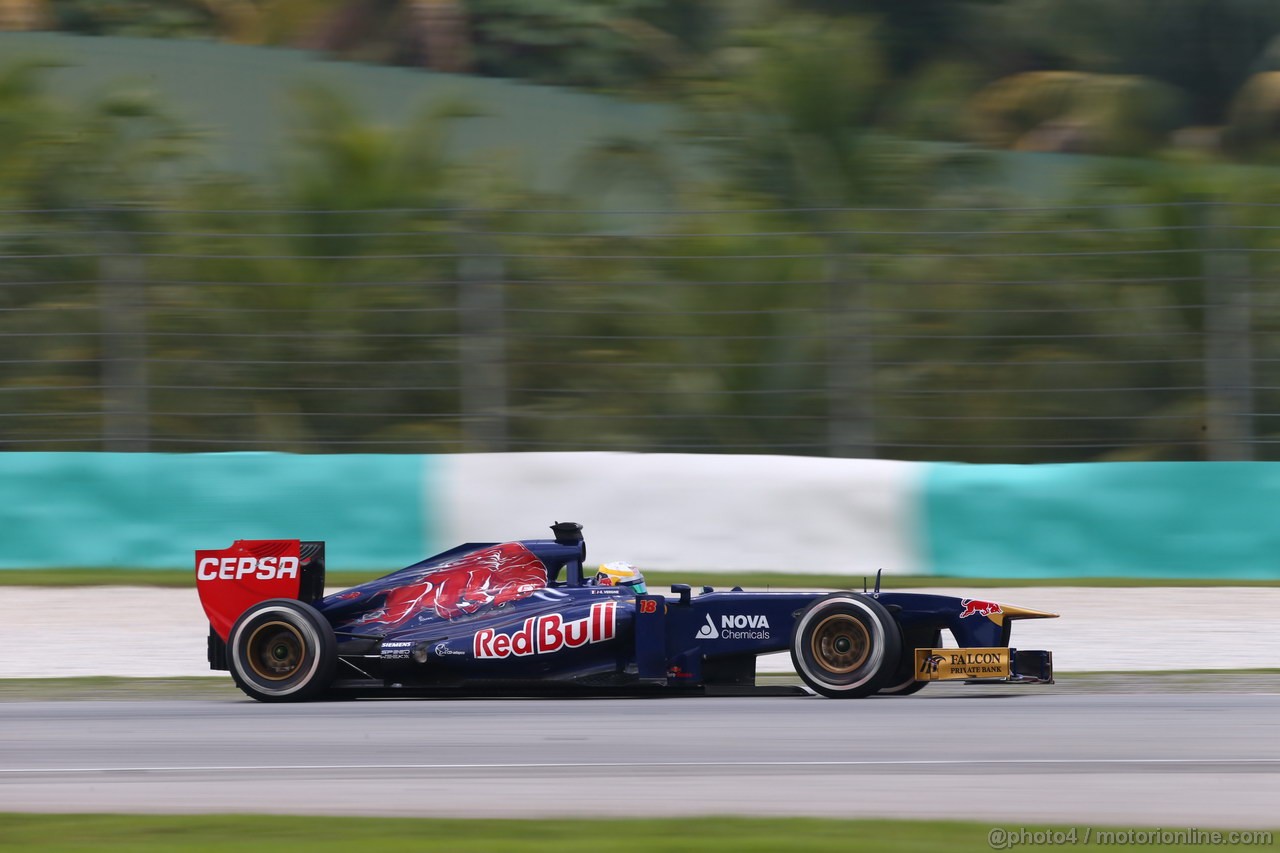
462 587
976 607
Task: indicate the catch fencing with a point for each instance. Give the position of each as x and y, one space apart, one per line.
1108 332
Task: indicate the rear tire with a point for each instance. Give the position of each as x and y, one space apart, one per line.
845 645
903 682
282 650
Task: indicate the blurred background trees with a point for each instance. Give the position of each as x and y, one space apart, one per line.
878 278
1045 74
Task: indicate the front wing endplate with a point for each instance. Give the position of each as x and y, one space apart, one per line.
984 664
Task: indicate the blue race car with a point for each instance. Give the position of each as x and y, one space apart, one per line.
518 617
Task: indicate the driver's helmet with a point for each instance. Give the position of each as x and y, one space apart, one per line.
621 574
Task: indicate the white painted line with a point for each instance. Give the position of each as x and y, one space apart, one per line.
640 765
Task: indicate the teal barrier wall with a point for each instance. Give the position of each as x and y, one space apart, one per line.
152 510
1171 520
1143 519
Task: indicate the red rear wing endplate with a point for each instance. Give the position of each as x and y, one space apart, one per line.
234 579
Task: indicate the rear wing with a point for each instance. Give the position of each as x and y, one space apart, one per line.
231 580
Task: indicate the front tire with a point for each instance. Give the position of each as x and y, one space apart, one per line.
282 650
845 645
903 681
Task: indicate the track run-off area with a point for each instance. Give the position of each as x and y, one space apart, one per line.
151 632
1005 755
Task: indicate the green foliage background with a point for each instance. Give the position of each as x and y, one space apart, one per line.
863 288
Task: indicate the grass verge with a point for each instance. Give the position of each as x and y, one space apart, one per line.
282 834
215 686
657 580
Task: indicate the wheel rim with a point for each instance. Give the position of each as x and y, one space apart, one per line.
275 651
841 643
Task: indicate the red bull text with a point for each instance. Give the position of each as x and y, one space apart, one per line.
542 635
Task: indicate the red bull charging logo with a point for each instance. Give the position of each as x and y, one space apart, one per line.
976 607
493 576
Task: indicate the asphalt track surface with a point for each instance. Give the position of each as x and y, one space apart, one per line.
1008 758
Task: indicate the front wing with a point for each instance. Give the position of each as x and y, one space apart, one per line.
995 664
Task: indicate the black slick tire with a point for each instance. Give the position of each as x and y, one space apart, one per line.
282 650
903 681
845 646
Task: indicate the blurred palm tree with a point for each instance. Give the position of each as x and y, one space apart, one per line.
342 161
789 109
794 114
325 293
70 177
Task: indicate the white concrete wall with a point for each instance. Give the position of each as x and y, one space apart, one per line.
720 513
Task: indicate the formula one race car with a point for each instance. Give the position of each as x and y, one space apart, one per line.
498 617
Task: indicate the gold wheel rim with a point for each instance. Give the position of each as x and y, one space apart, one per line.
841 643
275 651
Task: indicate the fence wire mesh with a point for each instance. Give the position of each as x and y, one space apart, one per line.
984 335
